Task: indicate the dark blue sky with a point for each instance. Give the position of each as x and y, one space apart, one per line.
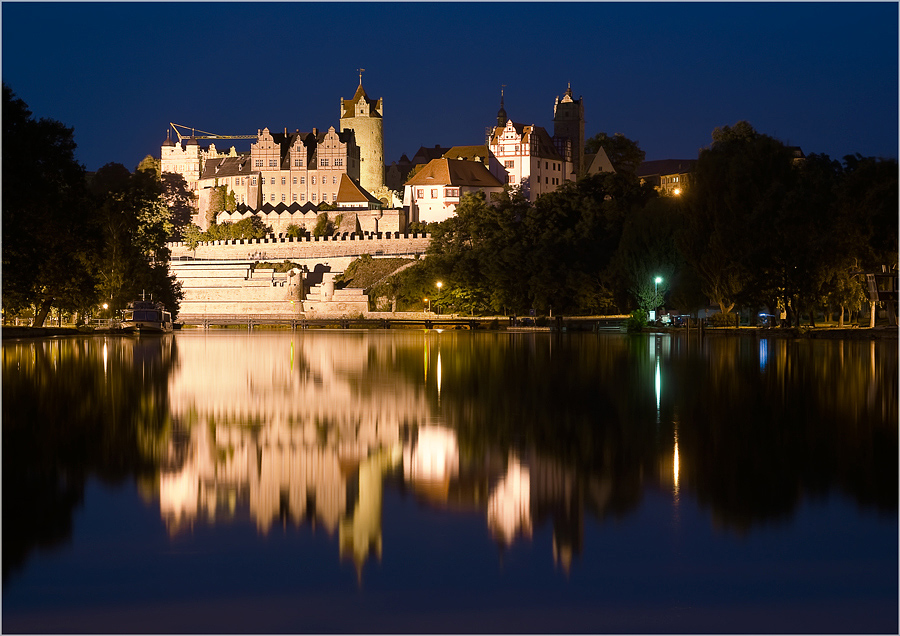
819 75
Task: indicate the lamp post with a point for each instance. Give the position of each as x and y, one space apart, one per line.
427 309
439 285
656 282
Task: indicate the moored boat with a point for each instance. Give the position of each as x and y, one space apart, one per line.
146 317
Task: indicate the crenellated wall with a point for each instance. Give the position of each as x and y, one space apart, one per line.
307 249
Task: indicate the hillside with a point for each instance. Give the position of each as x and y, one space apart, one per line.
366 271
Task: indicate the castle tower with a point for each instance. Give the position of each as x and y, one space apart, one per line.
364 117
568 123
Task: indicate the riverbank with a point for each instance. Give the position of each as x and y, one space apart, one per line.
827 332
831 333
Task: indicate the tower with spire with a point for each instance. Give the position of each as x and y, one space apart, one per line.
568 128
364 117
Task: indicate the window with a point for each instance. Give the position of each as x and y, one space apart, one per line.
273 180
282 196
272 197
242 198
258 163
434 193
546 180
298 163
295 180
273 163
334 196
295 197
314 196
283 181
323 163
517 148
314 181
338 162
334 180
420 193
253 181
512 178
303 197
509 163
302 180
451 192
546 165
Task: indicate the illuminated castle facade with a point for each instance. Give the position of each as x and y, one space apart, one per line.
302 168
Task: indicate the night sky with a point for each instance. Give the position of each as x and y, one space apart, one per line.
823 76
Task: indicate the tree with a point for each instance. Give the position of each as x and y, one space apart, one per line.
180 201
323 225
49 241
737 193
624 154
151 164
135 225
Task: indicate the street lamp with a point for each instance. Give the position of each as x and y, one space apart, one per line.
439 285
429 304
656 282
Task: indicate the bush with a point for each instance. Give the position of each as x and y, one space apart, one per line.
723 320
636 321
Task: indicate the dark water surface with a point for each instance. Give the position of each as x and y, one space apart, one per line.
425 481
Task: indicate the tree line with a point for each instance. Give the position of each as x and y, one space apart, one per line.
756 227
74 240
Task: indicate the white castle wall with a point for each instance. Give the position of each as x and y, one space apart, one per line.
322 248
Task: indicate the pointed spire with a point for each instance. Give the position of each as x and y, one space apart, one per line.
361 71
501 114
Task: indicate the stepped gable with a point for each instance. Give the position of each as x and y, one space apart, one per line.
454 172
529 134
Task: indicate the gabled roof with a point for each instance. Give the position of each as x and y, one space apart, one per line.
222 167
349 191
469 153
424 155
441 172
665 166
347 105
598 162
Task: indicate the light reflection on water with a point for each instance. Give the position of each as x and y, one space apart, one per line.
519 432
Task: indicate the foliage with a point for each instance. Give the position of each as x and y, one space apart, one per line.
135 225
50 242
295 231
250 228
180 201
221 199
280 268
150 164
624 154
323 225
636 321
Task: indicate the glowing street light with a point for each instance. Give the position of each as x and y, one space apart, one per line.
429 304
656 282
439 285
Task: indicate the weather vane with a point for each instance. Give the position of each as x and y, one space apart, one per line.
361 71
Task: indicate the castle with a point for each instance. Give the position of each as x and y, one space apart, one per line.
299 170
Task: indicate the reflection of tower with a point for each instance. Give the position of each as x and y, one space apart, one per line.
568 124
364 117
509 505
360 533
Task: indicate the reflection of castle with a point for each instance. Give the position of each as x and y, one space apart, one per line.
290 433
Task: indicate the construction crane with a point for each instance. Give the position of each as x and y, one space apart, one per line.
204 135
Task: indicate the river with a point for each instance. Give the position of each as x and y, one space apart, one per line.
449 481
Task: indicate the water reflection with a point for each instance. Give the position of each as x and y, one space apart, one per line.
309 428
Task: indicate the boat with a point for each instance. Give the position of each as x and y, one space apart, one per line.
147 317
